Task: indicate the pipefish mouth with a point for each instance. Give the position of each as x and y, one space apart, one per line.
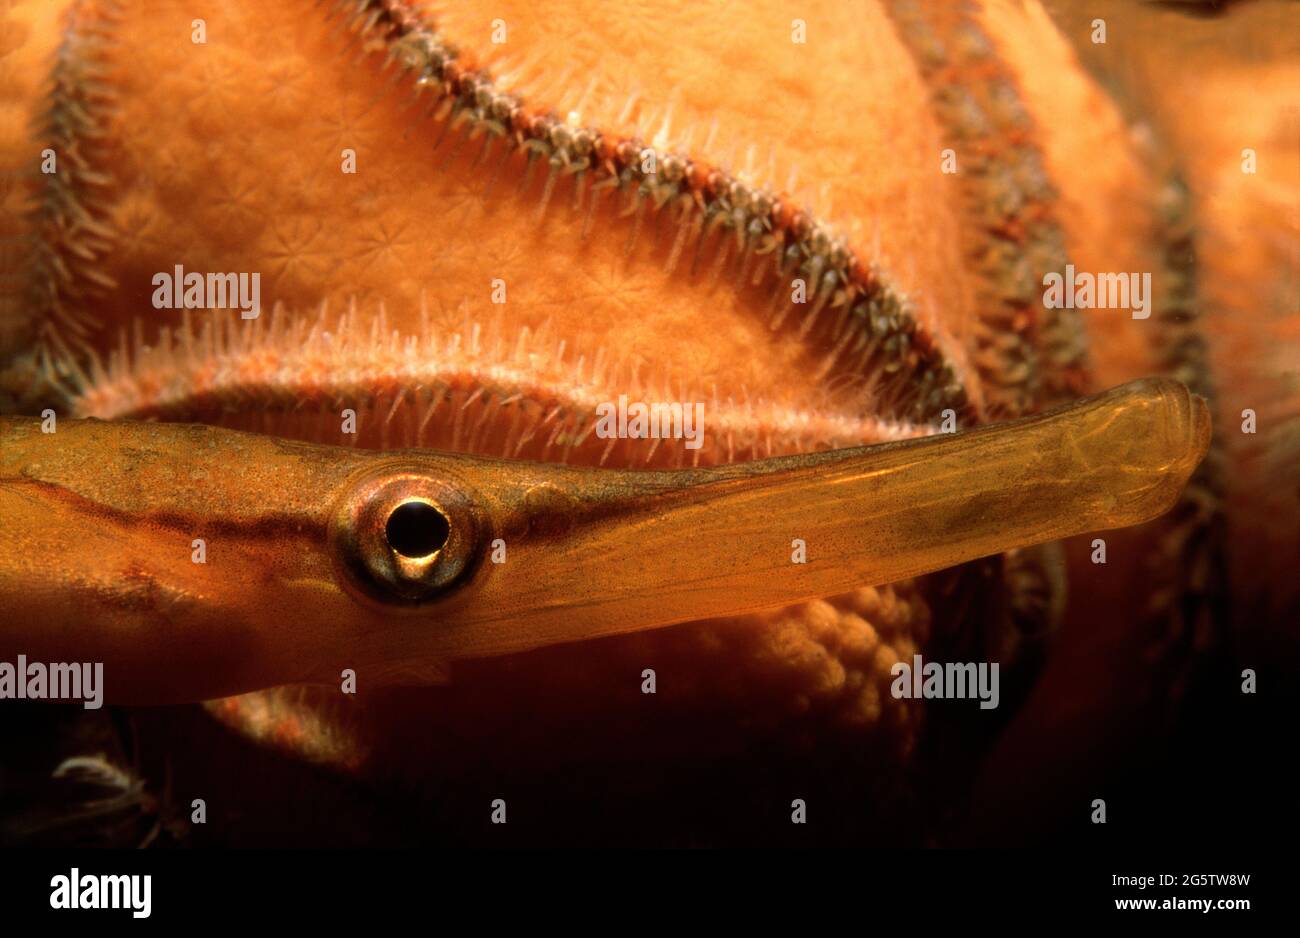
320 558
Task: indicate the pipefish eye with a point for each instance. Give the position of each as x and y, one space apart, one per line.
405 537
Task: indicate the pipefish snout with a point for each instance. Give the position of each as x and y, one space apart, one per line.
319 558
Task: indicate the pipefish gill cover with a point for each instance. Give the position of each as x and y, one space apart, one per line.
535 423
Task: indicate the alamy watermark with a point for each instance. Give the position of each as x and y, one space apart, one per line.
181 290
1073 290
954 680
88 891
35 680
658 421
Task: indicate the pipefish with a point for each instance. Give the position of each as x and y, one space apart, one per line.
331 558
649 199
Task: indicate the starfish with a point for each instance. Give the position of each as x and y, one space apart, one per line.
472 229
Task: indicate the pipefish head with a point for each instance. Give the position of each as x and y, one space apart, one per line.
197 562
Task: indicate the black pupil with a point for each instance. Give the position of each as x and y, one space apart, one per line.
416 529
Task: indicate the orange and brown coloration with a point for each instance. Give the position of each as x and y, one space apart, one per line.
524 162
